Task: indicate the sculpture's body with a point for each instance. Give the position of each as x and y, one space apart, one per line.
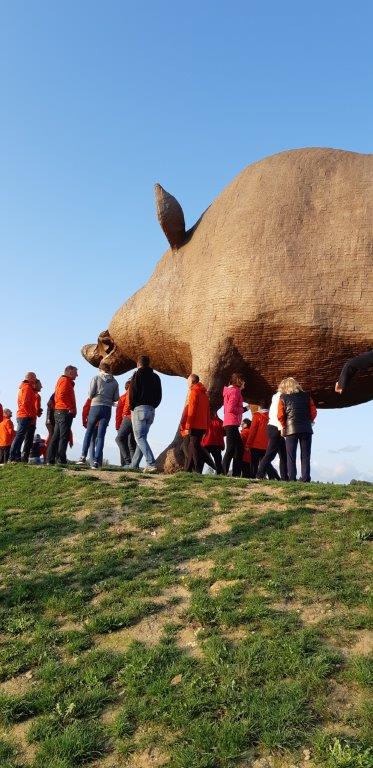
275 279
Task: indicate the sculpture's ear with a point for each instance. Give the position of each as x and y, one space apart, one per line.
170 216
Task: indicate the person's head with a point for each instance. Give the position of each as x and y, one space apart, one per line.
38 385
127 384
8 413
193 379
246 423
71 371
104 367
289 386
236 380
30 377
264 404
143 361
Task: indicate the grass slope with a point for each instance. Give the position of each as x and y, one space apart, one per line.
182 621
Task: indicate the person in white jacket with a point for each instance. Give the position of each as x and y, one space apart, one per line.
276 443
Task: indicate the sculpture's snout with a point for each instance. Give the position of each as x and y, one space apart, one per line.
107 350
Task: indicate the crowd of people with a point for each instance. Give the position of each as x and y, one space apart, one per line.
249 444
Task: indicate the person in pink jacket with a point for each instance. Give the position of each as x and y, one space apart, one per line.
233 410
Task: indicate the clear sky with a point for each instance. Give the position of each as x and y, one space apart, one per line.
100 100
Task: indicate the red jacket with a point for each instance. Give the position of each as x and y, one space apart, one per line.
85 412
246 452
197 410
26 401
123 409
7 432
64 395
215 433
257 437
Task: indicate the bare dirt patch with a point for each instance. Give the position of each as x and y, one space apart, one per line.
196 567
18 685
363 645
152 757
19 736
218 524
309 614
217 586
150 629
187 638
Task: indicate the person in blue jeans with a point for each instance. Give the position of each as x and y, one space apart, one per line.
145 394
103 393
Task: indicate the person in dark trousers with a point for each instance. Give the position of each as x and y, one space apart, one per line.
296 412
103 394
26 415
213 440
351 368
145 395
233 410
195 422
125 438
276 444
49 421
7 434
64 413
29 439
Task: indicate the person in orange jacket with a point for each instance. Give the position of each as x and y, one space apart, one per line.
246 458
257 440
1 412
26 414
296 414
7 435
64 413
125 438
29 439
195 422
213 440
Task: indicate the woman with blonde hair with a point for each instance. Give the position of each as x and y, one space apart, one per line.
296 413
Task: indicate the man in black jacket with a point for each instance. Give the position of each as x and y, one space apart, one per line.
145 394
351 367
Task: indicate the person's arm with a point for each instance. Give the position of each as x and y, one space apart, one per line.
182 426
252 431
133 392
351 367
116 394
92 388
157 391
313 410
281 414
192 407
85 412
119 413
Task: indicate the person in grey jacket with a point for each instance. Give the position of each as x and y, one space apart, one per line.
103 393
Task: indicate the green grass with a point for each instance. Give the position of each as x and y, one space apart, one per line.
101 577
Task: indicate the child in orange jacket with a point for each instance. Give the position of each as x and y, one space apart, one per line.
7 434
246 458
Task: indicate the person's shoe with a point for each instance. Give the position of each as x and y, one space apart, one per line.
82 460
152 469
95 465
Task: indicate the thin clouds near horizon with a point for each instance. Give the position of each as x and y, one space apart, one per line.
345 449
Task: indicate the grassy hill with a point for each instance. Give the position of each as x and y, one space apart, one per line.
182 621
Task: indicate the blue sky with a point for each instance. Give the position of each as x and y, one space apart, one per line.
100 100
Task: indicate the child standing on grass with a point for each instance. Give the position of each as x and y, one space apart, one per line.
246 457
7 434
213 440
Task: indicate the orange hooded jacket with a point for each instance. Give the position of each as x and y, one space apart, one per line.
26 401
123 409
257 437
197 410
64 395
7 432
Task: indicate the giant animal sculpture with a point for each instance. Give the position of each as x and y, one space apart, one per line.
274 279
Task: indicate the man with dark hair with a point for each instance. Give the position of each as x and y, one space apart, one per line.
64 413
145 394
351 367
